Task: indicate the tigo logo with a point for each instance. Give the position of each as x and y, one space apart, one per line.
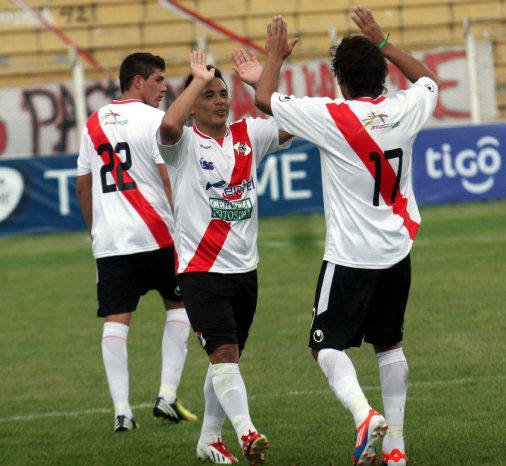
475 167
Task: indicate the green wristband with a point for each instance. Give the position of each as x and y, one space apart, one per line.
384 42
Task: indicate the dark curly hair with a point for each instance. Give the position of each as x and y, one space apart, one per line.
139 63
360 65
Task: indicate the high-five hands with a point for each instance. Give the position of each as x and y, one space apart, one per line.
247 67
276 43
198 67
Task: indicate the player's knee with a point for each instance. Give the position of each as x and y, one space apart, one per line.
225 353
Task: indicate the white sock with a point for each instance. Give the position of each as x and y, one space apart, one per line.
231 393
214 414
115 355
174 350
394 375
342 377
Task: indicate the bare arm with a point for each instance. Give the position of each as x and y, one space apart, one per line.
84 197
164 175
249 70
412 68
277 48
171 128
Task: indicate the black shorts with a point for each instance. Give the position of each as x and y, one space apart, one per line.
352 305
220 307
122 280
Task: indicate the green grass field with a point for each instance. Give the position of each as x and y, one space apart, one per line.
54 402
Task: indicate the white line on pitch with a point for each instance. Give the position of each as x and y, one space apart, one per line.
465 380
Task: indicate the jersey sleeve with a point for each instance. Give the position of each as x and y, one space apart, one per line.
156 121
265 133
301 117
84 157
421 99
171 154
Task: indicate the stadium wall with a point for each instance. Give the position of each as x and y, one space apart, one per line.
453 164
41 120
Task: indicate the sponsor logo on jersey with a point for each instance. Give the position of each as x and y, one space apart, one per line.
242 148
430 87
205 164
284 98
372 119
205 147
240 189
114 115
218 184
231 211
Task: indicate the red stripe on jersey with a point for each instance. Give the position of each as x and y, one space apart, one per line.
209 247
243 153
363 144
151 217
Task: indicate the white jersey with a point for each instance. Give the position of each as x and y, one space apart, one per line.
365 150
131 212
214 189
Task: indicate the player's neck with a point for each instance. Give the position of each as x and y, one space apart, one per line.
215 132
129 95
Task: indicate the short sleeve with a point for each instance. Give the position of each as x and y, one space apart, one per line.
171 154
301 117
83 159
155 125
421 100
265 134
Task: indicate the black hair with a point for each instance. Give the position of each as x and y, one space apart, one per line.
139 63
360 65
217 74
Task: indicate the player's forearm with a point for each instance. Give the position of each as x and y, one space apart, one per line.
84 197
268 84
412 68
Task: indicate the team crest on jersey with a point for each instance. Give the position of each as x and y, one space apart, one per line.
242 148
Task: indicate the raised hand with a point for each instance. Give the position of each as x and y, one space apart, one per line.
364 19
276 43
247 67
198 66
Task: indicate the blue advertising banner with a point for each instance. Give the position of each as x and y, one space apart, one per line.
456 164
37 195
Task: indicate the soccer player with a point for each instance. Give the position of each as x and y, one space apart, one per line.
124 192
213 172
365 144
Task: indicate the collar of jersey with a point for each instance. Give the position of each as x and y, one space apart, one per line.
375 101
202 135
129 101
